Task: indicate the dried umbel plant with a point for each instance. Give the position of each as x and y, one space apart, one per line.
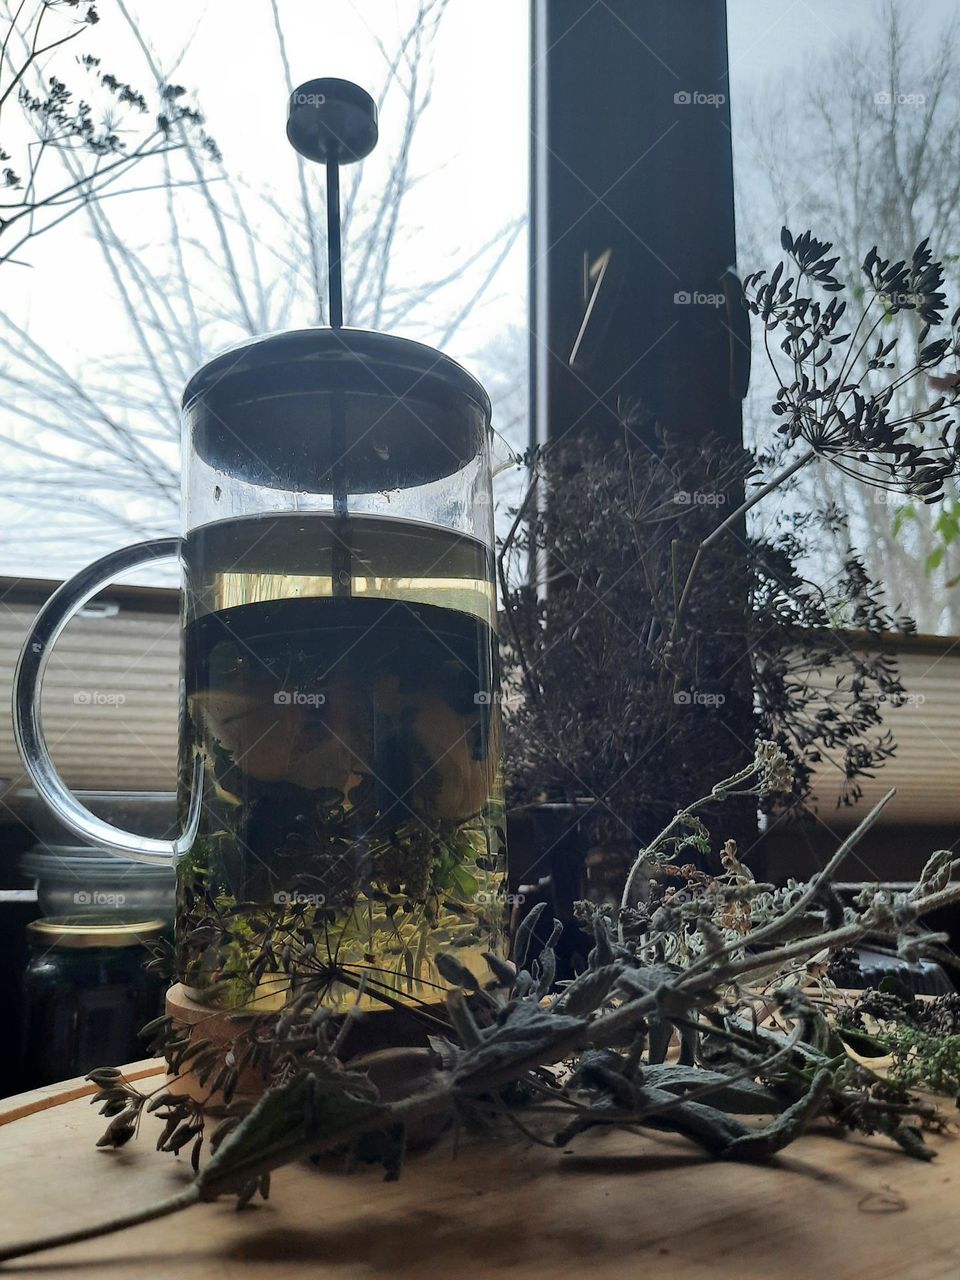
736 965
830 411
846 419
648 598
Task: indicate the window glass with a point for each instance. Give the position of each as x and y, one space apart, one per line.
844 123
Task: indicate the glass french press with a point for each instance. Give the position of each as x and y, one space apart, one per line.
339 790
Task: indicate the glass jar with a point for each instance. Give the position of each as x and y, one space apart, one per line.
87 993
340 790
340 671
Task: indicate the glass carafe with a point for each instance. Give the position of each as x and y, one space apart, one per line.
339 789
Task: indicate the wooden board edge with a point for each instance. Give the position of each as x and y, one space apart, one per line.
20 1105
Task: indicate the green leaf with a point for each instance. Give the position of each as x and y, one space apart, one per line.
823 1037
934 560
787 1126
743 1097
948 523
465 884
527 1031
910 1138
588 991
709 1127
521 942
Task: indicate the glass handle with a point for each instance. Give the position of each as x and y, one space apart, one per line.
65 602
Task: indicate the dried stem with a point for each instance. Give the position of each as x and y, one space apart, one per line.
728 523
161 1209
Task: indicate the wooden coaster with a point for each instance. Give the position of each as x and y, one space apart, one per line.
221 1026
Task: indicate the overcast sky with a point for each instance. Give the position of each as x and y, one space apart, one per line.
471 143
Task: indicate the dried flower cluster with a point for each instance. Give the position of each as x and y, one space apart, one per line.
819 400
99 135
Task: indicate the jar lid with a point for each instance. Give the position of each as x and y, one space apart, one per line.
283 410
86 934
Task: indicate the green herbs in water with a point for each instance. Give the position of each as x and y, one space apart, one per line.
348 724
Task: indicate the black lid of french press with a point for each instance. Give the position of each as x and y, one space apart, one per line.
333 408
269 410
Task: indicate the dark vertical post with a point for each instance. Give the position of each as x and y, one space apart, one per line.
634 296
631 153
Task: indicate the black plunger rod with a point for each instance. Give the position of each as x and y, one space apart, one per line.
334 122
342 559
334 262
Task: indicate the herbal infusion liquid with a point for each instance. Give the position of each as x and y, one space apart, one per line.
341 692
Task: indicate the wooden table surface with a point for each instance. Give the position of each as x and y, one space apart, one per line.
615 1206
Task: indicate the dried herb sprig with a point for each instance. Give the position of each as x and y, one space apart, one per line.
730 960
